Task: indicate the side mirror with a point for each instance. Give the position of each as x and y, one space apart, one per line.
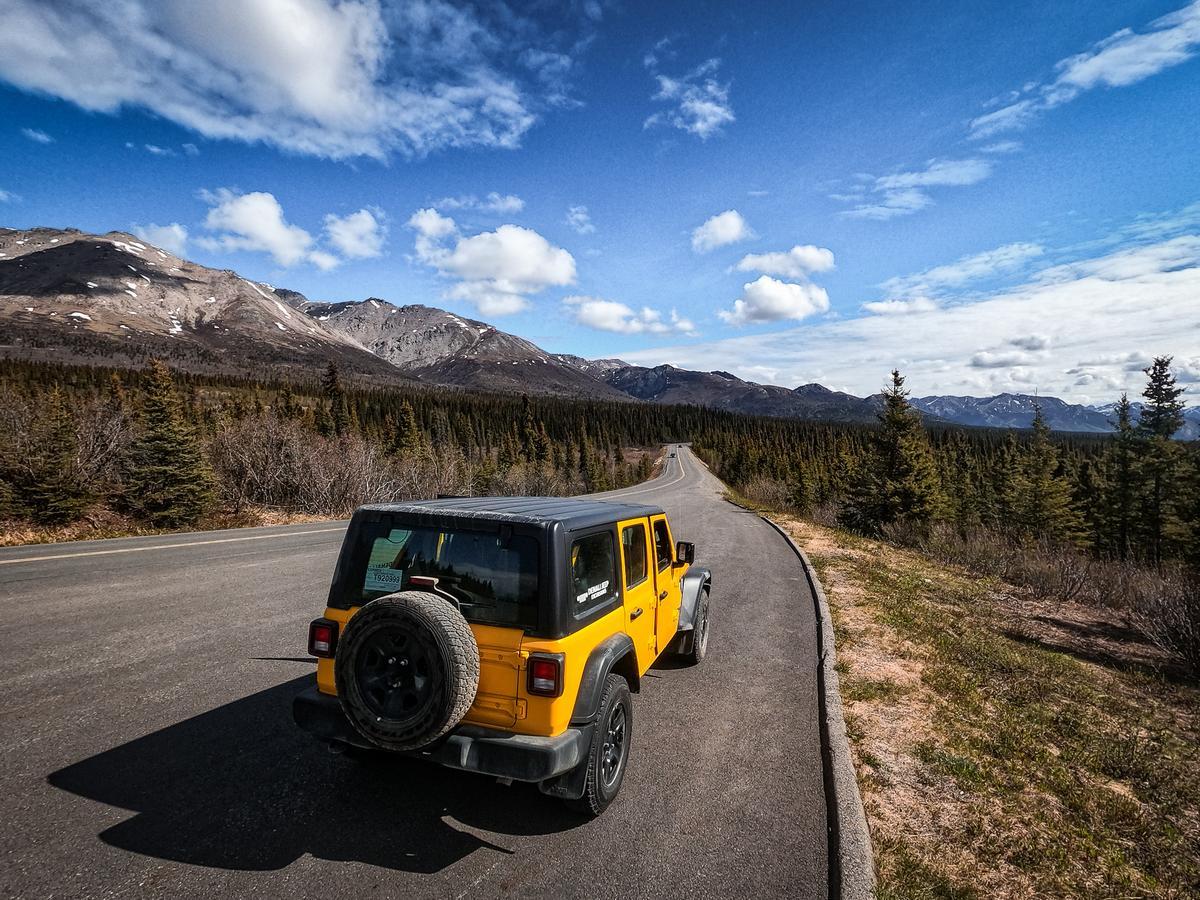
685 552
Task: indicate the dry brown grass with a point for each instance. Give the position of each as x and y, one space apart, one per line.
1008 745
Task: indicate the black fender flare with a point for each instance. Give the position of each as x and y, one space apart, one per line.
694 583
614 654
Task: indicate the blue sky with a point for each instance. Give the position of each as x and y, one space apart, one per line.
992 196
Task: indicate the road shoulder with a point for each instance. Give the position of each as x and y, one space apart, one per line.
851 864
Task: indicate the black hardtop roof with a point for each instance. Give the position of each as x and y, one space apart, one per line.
572 512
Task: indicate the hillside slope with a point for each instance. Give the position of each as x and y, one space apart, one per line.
721 390
443 348
71 296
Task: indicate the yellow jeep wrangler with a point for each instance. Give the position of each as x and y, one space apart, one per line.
503 635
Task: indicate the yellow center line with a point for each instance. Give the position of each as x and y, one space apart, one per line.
255 537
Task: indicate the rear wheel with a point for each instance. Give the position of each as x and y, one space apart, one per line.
608 754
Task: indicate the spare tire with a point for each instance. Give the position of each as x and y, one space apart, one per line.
407 669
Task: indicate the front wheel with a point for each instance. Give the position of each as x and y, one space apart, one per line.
695 645
608 754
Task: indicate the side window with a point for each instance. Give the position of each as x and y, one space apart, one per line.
662 544
633 549
593 570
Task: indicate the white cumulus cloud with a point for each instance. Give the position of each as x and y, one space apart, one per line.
611 315
771 300
172 238
496 270
799 262
724 228
358 235
255 222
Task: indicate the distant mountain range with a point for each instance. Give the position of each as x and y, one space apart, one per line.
113 299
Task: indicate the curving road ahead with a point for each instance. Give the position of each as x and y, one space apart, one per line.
148 747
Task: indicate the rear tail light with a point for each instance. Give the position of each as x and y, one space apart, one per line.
322 638
545 674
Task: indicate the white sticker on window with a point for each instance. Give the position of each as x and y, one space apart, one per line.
382 578
593 592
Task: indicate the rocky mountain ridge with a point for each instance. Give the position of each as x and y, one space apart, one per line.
75 297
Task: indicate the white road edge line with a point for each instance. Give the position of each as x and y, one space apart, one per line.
253 537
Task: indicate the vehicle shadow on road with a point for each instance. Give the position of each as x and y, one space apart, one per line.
241 787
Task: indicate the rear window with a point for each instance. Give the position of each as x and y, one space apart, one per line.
494 578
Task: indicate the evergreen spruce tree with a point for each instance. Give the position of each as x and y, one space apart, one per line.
50 490
1162 416
898 482
1043 497
406 436
1120 500
286 404
335 395
167 479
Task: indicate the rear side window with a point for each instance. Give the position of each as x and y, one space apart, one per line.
593 571
633 549
662 544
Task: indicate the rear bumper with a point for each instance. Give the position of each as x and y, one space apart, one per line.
503 754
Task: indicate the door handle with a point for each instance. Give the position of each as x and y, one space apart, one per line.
633 615
662 596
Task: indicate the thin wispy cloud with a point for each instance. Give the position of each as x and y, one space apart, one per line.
696 101
494 203
37 136
966 269
580 220
903 193
1123 58
326 78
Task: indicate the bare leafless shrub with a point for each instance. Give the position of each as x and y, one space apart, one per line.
825 514
103 433
1162 603
767 491
1169 614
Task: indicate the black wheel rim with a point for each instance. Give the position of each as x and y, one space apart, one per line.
612 753
395 671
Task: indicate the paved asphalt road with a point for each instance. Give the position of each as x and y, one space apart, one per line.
148 747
